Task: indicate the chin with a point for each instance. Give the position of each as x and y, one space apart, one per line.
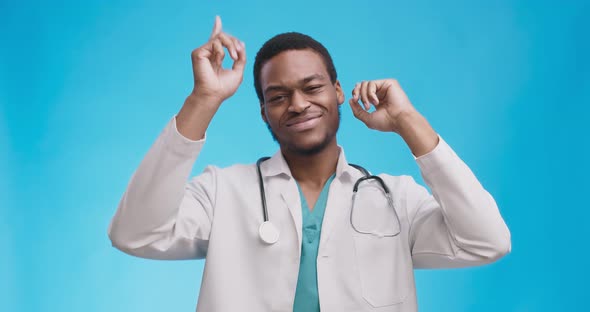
308 148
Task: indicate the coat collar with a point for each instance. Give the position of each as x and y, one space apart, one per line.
277 165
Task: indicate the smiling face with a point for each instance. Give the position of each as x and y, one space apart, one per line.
300 102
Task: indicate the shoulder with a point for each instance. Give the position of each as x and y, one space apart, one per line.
236 176
240 171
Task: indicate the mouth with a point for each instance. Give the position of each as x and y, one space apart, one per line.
304 122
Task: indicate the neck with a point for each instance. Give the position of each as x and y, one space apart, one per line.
313 169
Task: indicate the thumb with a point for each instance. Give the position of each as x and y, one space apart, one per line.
359 112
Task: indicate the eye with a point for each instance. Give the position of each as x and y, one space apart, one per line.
277 98
313 89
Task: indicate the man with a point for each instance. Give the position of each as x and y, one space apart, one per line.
324 249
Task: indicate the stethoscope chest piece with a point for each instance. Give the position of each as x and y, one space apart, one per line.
268 232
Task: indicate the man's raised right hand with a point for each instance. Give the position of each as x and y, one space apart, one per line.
212 83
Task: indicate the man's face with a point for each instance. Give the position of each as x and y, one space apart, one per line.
300 102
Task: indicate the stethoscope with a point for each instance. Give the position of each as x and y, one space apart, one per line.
269 233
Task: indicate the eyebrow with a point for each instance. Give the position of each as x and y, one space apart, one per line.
302 81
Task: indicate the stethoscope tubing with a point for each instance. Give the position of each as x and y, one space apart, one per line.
270 233
261 184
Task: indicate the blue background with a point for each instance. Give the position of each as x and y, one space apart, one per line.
86 86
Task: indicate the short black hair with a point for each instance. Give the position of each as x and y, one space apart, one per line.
289 41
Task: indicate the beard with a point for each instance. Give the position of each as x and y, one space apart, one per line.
313 150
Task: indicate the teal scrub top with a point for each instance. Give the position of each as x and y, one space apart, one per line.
306 295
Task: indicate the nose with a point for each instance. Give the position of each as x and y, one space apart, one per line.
298 103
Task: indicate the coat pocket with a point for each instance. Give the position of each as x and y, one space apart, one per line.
385 273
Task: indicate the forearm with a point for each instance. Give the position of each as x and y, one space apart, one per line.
155 192
471 218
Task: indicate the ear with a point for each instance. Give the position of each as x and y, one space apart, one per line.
263 112
339 92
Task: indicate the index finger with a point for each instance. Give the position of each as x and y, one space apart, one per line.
216 27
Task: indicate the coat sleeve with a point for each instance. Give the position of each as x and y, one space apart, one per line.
459 224
160 215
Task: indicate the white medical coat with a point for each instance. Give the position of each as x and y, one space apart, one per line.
216 216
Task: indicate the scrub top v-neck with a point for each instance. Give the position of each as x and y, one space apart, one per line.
306 294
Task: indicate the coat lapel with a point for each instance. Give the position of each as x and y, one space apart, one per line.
339 198
338 204
292 200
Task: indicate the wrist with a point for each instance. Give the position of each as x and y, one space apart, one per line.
417 133
195 116
407 120
196 99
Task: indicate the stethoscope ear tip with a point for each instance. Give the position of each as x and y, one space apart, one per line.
268 232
